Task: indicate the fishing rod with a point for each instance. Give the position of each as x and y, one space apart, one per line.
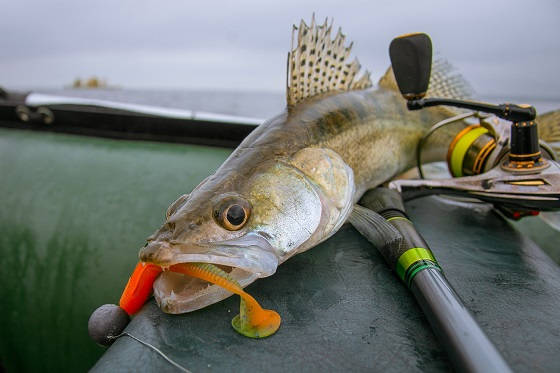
505 165
383 221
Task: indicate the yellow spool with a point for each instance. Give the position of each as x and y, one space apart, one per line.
459 147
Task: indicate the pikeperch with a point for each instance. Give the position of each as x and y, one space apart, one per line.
294 180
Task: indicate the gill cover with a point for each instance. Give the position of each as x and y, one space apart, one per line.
301 202
326 169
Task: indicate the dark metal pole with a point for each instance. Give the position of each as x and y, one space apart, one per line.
468 347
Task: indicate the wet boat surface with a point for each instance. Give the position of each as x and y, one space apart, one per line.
343 309
77 209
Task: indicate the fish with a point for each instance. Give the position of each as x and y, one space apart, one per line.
292 183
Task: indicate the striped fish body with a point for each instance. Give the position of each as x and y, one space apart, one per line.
294 180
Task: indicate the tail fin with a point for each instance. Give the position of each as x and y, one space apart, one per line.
549 129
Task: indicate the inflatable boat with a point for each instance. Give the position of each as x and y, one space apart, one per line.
84 182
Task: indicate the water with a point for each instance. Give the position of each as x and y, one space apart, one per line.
542 104
248 104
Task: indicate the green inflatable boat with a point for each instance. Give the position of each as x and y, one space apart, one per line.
85 180
76 209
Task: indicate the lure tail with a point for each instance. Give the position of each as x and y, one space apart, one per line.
253 321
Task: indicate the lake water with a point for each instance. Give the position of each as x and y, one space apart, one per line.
248 104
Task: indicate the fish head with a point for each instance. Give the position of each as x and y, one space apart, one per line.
245 223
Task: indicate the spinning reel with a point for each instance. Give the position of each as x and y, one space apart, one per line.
497 161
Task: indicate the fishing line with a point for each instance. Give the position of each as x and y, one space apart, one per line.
169 360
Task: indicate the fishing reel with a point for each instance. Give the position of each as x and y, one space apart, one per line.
500 161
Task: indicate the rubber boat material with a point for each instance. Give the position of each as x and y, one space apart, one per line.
344 310
67 241
104 118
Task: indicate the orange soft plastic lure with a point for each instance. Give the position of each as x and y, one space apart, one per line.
253 321
139 287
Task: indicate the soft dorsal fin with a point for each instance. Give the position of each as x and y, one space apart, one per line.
319 64
444 82
549 129
388 81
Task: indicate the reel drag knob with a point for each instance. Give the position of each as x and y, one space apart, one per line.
525 154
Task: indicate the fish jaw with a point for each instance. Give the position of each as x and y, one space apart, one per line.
176 293
245 259
250 252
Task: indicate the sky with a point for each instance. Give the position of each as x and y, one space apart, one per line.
503 48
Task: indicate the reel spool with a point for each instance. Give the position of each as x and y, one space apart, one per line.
469 151
478 148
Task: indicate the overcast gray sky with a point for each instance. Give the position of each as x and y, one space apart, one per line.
501 47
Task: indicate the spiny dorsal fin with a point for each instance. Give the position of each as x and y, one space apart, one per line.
444 82
319 64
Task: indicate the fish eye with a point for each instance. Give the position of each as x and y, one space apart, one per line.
235 215
232 215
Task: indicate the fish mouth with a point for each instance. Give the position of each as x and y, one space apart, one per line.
245 259
177 293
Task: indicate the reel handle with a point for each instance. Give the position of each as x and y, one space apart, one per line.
411 58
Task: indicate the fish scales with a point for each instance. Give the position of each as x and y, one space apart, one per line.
294 180
372 131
